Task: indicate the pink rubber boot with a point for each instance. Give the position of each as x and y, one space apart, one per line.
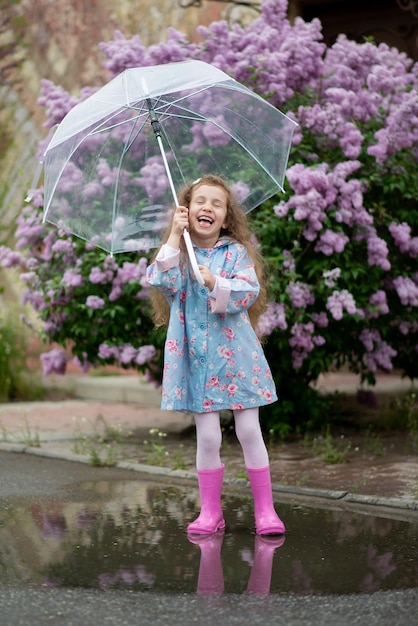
267 521
260 579
211 517
211 577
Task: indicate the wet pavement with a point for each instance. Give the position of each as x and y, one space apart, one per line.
85 545
107 545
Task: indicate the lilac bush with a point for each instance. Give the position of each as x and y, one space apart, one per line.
341 244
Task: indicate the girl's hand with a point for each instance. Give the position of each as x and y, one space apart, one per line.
208 277
179 223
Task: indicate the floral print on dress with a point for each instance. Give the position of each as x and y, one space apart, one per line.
212 361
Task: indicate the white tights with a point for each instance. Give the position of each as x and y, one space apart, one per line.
248 431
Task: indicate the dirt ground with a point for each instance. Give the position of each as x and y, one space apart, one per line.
385 465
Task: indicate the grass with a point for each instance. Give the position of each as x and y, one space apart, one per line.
103 447
372 442
157 452
160 456
24 435
328 448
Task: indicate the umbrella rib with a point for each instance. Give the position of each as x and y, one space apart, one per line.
236 138
99 129
128 143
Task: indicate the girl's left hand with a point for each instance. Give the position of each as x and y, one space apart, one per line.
208 278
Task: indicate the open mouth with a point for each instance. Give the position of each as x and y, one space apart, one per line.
204 219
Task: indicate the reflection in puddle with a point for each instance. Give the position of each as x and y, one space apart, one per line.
132 535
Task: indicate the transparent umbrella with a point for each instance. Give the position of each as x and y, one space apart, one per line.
114 166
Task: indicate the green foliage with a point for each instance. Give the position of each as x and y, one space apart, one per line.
82 329
12 358
353 166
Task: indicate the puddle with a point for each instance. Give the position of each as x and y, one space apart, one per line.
131 535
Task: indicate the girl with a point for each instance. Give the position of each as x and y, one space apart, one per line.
213 359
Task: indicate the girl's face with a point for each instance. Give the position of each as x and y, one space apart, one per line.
207 214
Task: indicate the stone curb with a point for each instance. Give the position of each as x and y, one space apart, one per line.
305 492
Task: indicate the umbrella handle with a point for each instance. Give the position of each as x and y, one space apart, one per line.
192 257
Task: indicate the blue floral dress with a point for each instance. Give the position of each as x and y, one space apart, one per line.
213 359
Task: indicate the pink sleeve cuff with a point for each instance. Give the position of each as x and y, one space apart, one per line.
167 258
219 304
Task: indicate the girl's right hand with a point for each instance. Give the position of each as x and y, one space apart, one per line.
179 223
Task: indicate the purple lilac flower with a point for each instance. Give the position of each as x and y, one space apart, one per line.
30 230
92 244
378 301
214 135
99 276
145 354
69 183
72 278
379 353
350 208
107 352
401 234
273 317
32 264
154 179
289 264
54 362
28 277
339 301
331 128
176 48
35 298
62 245
331 276
401 130
314 192
281 209
408 327
330 242
123 53
131 272
377 251
303 342
93 189
413 247
107 175
288 54
320 319
407 290
116 292
8 258
57 102
127 354
240 190
95 303
48 242
300 294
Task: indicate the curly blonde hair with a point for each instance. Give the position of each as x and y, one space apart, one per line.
237 228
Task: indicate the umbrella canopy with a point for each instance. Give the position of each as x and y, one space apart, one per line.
113 166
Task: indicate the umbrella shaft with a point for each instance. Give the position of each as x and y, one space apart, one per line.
154 120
